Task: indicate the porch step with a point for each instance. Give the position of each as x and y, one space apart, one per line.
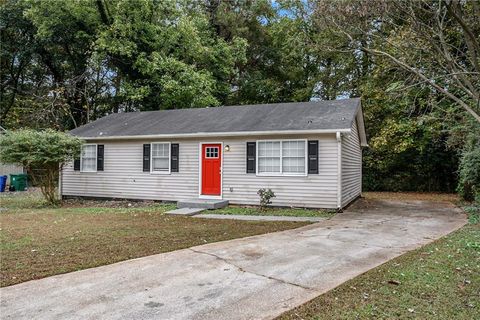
185 211
202 203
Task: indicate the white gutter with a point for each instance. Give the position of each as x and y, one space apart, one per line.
339 170
214 134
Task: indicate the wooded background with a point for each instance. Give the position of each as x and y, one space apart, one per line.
415 64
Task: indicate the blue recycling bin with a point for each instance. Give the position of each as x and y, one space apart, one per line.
3 183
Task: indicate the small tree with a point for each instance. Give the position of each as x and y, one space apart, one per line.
42 153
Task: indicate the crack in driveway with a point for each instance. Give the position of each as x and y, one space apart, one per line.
241 269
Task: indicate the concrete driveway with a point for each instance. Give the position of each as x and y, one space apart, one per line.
251 278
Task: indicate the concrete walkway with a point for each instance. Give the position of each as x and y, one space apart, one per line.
257 218
251 278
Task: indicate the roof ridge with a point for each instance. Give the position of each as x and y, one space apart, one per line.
238 106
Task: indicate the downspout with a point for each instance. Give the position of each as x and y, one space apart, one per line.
339 171
60 184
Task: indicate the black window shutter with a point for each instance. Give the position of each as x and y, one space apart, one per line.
100 149
174 149
313 157
76 164
251 155
146 157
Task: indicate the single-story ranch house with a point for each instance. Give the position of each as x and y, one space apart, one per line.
308 153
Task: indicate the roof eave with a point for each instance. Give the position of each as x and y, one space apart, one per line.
216 134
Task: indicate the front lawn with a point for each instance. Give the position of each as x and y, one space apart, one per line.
37 241
272 211
438 281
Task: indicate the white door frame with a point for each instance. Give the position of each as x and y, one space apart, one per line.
200 159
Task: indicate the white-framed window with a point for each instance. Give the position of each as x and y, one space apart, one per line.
282 157
160 157
211 152
88 159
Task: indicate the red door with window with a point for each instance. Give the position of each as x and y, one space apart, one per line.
211 169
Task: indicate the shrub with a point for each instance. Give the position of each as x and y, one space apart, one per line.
469 174
42 153
265 197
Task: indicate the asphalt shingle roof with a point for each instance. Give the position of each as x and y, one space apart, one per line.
295 116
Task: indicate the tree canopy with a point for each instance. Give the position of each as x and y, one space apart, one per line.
414 63
42 153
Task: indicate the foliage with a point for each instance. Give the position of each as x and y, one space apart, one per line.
469 173
42 153
473 212
414 63
79 60
265 197
409 149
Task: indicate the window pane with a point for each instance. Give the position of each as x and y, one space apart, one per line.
269 164
293 148
88 151
160 164
293 160
211 152
89 158
269 157
269 149
293 165
160 150
88 164
160 156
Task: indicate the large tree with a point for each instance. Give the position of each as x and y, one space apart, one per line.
67 62
436 42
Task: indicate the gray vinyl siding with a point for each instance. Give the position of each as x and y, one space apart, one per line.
314 190
123 176
351 166
8 169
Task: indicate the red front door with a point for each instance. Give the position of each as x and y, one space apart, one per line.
211 169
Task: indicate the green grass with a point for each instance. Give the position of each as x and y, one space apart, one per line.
22 200
438 281
256 211
37 241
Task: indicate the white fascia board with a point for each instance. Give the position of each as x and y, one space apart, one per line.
215 134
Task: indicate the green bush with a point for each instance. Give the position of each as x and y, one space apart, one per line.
469 174
42 153
265 197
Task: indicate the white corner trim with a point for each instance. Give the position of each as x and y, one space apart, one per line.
339 170
216 134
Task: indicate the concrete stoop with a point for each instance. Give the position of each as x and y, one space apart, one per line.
202 203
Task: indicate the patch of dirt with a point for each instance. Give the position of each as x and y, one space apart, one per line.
411 196
87 203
